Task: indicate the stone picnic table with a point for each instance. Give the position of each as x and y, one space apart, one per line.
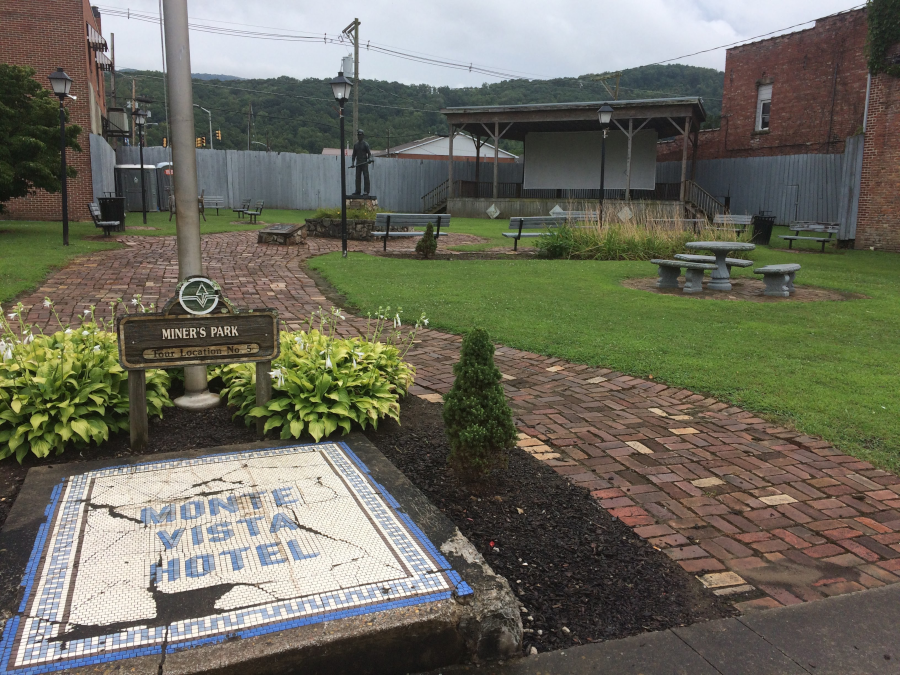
721 276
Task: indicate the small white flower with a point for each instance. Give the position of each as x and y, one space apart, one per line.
397 323
354 363
134 302
96 348
47 303
6 352
425 321
28 338
68 331
85 333
328 362
278 376
11 315
86 312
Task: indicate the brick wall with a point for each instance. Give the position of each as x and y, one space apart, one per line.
818 79
47 35
878 223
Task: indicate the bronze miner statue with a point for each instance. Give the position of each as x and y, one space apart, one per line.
362 157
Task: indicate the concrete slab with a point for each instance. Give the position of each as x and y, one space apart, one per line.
261 557
854 633
660 653
734 649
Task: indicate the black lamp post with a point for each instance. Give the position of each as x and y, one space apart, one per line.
340 87
605 115
140 117
61 84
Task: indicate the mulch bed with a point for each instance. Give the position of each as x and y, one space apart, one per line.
581 574
749 290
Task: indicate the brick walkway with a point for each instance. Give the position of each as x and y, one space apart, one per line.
765 515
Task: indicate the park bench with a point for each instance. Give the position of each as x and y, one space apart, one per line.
257 210
214 203
736 224
729 262
779 279
107 225
245 206
386 220
670 270
799 226
520 223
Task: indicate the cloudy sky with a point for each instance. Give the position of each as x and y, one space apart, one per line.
529 38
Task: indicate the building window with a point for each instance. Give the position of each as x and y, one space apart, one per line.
763 107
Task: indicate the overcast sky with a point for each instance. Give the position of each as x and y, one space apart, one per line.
537 39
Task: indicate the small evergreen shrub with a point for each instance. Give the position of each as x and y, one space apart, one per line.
477 417
427 245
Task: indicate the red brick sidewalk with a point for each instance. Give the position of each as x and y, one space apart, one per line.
758 512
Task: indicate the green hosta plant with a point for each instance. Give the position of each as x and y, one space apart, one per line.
322 383
64 388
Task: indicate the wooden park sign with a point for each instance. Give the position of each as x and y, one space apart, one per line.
198 327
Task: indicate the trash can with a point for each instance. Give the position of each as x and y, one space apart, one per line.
762 229
113 208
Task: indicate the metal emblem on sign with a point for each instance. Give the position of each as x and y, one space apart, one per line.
493 211
199 295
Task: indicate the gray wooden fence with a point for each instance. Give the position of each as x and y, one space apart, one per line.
790 187
292 181
103 162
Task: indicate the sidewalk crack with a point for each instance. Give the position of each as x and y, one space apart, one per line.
711 665
781 651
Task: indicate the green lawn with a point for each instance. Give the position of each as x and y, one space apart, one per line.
489 229
828 368
30 250
221 223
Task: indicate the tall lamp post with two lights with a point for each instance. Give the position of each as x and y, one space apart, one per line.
61 84
605 114
340 87
140 118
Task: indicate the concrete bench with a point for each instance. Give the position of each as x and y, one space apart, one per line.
385 220
779 279
520 223
729 262
732 223
670 270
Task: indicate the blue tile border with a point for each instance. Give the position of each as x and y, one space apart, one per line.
441 582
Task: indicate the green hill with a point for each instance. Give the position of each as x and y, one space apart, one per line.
301 115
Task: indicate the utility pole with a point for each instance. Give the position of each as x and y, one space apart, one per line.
352 32
184 157
112 48
133 108
389 143
249 124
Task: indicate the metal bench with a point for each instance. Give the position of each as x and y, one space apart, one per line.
779 279
106 225
214 203
245 206
799 226
737 224
257 211
670 270
729 262
520 223
386 220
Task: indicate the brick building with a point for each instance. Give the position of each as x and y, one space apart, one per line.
878 224
799 93
64 34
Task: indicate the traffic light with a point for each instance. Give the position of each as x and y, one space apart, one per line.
218 134
165 142
203 141
197 142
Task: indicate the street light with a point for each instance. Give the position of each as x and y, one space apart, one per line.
140 117
605 114
61 84
211 146
340 87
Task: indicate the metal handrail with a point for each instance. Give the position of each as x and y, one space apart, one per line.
703 200
436 196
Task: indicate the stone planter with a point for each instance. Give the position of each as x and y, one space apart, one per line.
357 230
291 234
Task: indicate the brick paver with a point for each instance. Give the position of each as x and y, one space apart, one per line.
711 485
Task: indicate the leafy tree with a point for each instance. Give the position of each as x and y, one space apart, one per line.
29 135
477 417
427 245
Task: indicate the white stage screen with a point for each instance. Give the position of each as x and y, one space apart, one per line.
571 160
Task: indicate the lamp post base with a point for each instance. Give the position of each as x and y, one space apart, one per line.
199 400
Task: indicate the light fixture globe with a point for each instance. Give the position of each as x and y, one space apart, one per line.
340 87
140 116
605 114
61 83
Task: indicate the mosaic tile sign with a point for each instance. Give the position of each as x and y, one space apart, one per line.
192 551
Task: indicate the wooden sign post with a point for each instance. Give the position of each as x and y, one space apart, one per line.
196 328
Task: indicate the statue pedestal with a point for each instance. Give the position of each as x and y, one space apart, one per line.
362 202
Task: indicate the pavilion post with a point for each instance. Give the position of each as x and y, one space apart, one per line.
496 160
696 143
684 155
450 171
628 160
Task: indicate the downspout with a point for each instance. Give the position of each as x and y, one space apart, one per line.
868 89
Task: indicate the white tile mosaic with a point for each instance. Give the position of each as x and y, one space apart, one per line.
187 551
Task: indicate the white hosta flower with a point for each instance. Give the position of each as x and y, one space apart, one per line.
48 304
328 362
278 376
85 333
86 312
28 338
425 321
12 315
134 302
68 331
354 363
397 323
6 351
96 348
